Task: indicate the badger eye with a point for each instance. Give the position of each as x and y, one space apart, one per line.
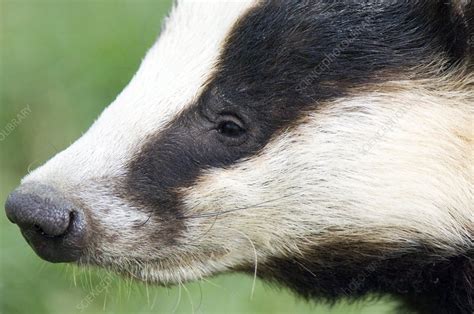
230 129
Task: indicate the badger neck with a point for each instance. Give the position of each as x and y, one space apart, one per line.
422 278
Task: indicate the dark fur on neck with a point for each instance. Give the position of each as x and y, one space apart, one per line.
422 278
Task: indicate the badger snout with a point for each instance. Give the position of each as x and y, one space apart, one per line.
53 226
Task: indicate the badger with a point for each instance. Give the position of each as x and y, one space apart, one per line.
325 146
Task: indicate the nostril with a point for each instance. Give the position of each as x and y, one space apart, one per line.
51 222
40 230
55 227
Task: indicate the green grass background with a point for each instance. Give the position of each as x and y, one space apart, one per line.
67 60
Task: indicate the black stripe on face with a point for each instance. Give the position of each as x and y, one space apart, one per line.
282 60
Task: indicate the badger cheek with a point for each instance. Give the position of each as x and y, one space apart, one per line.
222 223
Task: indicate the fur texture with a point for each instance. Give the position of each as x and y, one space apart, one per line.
357 152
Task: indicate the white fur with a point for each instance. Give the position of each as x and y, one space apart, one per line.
170 77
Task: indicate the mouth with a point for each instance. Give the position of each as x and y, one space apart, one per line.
166 271
154 272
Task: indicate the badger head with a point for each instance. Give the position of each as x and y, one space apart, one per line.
297 140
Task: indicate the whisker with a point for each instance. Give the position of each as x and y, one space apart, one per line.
155 298
146 286
189 298
212 283
200 295
74 276
178 301
216 214
104 305
305 268
208 230
145 222
222 212
129 286
42 267
90 279
255 262
31 165
56 150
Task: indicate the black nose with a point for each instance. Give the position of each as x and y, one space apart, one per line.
53 226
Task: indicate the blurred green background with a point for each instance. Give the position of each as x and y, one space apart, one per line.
66 60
